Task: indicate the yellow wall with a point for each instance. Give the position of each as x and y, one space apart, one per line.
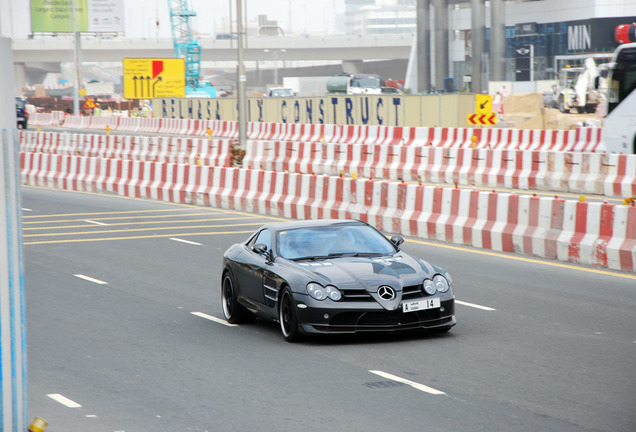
448 110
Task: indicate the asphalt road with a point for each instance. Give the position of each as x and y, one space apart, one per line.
112 284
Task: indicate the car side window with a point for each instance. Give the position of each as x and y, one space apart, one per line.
264 237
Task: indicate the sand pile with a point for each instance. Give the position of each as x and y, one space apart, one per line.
526 111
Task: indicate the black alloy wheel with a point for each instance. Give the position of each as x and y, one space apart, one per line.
233 312
287 317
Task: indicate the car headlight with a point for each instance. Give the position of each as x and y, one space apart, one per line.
333 293
441 284
320 293
429 287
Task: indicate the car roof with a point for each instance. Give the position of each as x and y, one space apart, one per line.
312 223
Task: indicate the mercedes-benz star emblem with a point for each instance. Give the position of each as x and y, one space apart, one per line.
386 292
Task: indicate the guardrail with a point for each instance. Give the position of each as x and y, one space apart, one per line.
597 234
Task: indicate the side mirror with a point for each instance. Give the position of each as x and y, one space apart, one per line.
397 240
259 248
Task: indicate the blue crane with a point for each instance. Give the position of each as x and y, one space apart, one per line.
185 46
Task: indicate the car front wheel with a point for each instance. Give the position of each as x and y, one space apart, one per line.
233 311
287 317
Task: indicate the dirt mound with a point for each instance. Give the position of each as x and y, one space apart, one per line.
526 111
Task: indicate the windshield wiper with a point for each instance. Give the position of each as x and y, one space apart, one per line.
354 254
338 255
311 258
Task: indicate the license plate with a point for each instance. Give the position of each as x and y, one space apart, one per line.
413 306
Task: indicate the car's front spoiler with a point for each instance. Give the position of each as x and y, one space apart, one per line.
333 321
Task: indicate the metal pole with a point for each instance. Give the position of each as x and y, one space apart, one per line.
423 45
13 369
441 42
242 123
76 60
478 24
497 40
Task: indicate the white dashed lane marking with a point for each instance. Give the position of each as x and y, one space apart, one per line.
64 400
473 305
418 386
90 279
215 319
96 222
185 241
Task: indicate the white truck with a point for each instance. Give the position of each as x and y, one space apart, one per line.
351 84
619 127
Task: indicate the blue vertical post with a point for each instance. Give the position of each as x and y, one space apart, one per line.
13 397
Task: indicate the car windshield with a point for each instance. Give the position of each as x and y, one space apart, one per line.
282 92
333 241
369 82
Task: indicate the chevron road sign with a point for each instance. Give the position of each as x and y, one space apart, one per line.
482 119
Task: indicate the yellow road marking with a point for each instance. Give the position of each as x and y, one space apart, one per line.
136 237
114 218
97 213
525 259
140 229
132 223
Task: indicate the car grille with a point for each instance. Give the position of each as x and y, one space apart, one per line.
391 319
361 295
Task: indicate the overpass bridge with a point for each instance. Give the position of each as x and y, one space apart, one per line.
46 53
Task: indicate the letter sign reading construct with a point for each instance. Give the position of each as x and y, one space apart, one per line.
146 78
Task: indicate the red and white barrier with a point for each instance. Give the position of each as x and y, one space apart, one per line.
103 123
578 140
172 149
53 118
596 234
587 173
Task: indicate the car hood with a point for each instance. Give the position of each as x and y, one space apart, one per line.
368 274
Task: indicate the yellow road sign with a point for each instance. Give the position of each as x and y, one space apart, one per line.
482 119
147 78
483 104
89 104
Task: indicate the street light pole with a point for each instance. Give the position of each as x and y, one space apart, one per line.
275 56
242 124
76 60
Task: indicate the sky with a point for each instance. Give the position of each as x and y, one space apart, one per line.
294 16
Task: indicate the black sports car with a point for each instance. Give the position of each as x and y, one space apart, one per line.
333 276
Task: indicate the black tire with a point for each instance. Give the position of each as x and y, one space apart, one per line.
287 317
580 110
233 311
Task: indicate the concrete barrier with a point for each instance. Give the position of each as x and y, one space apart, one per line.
574 172
579 140
207 151
597 234
586 173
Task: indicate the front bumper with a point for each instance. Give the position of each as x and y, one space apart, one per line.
348 318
